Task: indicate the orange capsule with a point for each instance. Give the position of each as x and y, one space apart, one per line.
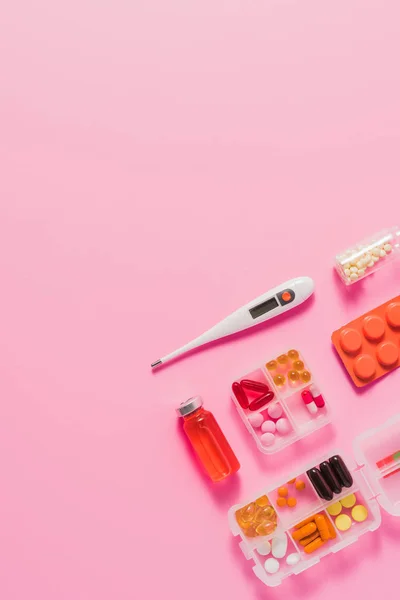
262 501
310 538
298 365
293 354
308 529
315 545
322 527
305 376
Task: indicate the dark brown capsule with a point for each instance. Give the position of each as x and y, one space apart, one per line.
342 473
254 386
320 484
261 401
330 477
240 395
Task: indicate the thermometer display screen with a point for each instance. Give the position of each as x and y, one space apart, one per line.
264 307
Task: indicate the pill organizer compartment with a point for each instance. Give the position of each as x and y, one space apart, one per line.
372 488
286 380
368 256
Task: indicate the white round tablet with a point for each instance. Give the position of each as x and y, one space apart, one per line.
267 439
271 565
268 427
293 559
283 426
264 548
275 411
256 420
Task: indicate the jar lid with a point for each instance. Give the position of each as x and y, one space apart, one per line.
189 406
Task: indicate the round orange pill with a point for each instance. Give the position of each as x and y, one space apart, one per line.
393 314
300 485
281 501
350 341
373 328
283 491
387 354
291 502
292 481
364 367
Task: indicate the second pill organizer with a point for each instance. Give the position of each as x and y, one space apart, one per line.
279 402
287 528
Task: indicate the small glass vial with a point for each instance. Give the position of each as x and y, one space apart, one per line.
368 256
207 439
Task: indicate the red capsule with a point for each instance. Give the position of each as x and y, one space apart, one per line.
309 402
317 396
240 395
255 386
261 401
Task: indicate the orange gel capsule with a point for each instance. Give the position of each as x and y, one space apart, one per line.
310 538
315 545
322 527
299 534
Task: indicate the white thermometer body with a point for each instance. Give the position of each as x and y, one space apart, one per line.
273 303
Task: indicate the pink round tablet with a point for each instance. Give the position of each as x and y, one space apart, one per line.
275 411
256 420
267 439
283 426
268 427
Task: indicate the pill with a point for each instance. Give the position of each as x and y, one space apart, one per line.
272 365
305 376
335 509
370 264
347 272
262 401
375 252
283 491
306 522
279 380
343 522
360 264
315 545
291 502
353 276
240 395
255 386
299 534
332 530
292 559
283 426
341 470
387 353
264 549
271 565
353 270
310 538
318 398
268 427
364 367
298 365
382 253
375 259
349 501
350 340
361 273
387 248
263 501
367 258
291 481
359 513
275 411
330 477
283 360
281 502
319 484
293 354
373 327
393 314
279 546
309 402
267 439
293 376
300 485
256 420
322 527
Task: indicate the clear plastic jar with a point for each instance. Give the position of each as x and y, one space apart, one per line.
368 256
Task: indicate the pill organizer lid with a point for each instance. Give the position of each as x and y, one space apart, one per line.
373 446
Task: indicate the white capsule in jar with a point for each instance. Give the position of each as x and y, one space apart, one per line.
375 252
387 248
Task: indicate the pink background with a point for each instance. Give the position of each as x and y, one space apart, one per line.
162 163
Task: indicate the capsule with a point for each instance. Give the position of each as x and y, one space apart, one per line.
319 484
318 398
341 470
254 386
309 402
261 401
240 395
330 477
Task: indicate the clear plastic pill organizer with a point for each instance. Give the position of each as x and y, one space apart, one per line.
279 402
283 538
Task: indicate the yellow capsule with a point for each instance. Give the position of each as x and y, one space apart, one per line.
266 528
247 513
306 376
283 359
298 365
272 365
279 380
251 532
293 376
293 354
263 501
267 513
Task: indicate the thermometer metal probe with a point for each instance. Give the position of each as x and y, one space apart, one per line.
273 303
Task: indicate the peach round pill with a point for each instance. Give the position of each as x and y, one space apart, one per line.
349 501
293 354
256 420
267 439
283 491
281 502
306 376
272 365
359 513
279 380
343 522
291 502
300 485
271 565
275 411
268 427
283 426
335 509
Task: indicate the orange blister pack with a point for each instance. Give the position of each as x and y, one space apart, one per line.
370 345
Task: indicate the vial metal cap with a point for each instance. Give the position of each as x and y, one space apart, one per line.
189 406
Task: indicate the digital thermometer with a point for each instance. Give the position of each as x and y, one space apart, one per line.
273 303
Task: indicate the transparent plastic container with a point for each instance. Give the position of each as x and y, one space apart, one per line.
375 471
368 256
279 381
